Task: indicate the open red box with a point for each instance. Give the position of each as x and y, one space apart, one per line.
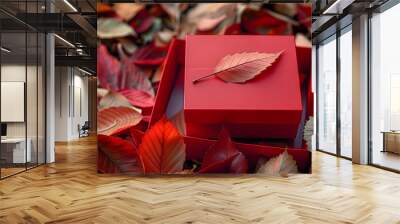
169 100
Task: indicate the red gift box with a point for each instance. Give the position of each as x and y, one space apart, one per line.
170 99
268 106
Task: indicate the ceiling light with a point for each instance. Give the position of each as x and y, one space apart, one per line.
5 49
64 40
70 5
337 7
84 71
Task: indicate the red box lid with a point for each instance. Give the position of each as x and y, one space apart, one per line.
273 97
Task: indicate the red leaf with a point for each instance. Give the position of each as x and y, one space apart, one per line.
241 67
233 29
162 149
108 69
261 22
142 21
115 120
138 98
197 147
150 55
134 77
116 155
222 157
222 166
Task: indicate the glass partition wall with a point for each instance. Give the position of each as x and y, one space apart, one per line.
22 77
334 94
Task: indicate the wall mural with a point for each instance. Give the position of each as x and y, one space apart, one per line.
204 88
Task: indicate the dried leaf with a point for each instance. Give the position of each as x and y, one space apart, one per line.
127 10
281 165
113 99
210 10
172 9
115 120
206 24
108 28
162 149
241 67
116 155
138 98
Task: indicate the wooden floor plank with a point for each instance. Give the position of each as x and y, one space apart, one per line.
70 191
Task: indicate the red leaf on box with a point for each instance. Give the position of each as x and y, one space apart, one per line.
116 156
241 67
162 149
220 156
115 120
138 98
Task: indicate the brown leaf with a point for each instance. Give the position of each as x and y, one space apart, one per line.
162 149
241 67
115 120
206 24
127 10
281 165
113 99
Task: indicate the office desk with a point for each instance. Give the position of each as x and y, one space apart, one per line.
13 150
391 141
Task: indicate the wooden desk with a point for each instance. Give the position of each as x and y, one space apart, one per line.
391 141
13 150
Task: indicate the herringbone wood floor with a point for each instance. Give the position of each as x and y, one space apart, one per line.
70 191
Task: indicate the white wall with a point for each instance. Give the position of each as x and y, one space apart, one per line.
71 102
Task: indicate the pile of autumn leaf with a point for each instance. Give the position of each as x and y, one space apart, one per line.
133 43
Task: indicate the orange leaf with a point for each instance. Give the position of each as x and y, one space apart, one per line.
114 120
162 149
241 67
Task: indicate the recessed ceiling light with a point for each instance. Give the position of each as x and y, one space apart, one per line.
64 40
70 5
5 50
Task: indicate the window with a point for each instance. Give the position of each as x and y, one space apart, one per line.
385 89
346 92
327 95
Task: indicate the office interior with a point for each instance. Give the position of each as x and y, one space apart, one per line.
48 79
357 81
